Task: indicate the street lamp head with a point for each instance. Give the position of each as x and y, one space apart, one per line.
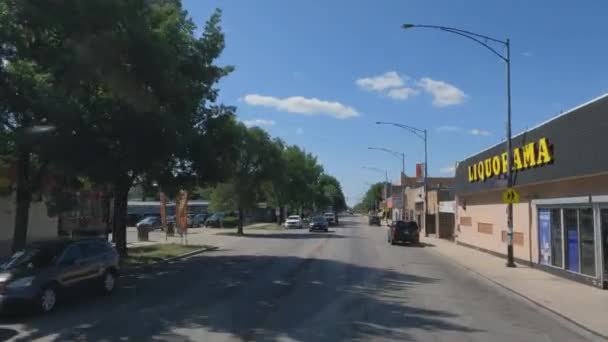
407 26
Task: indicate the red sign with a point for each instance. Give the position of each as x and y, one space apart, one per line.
419 170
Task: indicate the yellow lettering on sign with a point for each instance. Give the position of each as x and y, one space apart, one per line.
471 173
517 165
488 167
544 155
529 155
480 173
495 166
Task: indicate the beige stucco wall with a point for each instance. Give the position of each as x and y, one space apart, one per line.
40 225
487 207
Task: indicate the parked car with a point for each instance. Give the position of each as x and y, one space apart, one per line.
41 275
133 218
404 231
331 218
294 221
318 223
214 220
373 220
197 220
150 222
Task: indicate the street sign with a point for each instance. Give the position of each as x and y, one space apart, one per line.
510 196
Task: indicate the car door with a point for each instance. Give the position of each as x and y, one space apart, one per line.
70 269
93 259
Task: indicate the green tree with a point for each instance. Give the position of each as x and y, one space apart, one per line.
130 86
252 168
224 198
372 197
303 172
329 194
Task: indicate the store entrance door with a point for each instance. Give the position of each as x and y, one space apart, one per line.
604 225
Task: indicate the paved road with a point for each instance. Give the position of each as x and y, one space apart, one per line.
300 286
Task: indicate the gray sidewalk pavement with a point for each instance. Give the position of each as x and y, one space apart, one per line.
584 305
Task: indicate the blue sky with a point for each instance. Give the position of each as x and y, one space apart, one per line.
319 74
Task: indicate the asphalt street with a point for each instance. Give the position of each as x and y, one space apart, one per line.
348 284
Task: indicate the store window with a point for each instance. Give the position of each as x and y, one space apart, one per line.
567 239
571 235
556 237
587 238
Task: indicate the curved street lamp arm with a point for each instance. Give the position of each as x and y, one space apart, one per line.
413 130
476 37
479 42
397 155
459 30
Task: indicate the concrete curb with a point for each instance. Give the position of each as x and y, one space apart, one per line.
535 302
175 258
189 254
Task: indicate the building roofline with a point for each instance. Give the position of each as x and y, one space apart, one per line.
569 111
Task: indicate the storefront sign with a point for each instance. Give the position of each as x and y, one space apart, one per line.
534 154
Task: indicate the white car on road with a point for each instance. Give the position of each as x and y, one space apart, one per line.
294 221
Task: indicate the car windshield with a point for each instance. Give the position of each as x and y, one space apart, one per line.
318 219
293 218
33 257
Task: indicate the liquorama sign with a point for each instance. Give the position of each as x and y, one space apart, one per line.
531 155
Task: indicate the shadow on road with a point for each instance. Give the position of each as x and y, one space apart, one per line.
250 297
324 235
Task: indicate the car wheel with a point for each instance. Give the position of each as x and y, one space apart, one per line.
108 282
48 299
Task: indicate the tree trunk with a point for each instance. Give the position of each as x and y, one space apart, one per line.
121 194
240 224
24 197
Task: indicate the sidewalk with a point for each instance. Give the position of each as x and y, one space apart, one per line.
581 304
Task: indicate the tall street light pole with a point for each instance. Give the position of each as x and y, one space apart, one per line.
484 41
396 154
420 133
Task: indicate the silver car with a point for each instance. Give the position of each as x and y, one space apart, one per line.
41 274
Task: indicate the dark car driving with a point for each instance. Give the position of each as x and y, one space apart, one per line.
404 231
318 223
41 274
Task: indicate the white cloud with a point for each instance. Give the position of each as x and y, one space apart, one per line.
259 122
299 131
401 93
481 132
302 105
444 94
447 169
527 54
381 82
448 129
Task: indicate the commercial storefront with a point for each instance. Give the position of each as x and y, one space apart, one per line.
560 171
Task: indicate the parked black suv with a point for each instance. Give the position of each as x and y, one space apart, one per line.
404 231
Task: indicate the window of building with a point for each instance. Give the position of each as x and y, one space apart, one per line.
567 239
587 241
556 237
571 239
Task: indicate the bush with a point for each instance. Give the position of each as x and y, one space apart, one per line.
230 222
